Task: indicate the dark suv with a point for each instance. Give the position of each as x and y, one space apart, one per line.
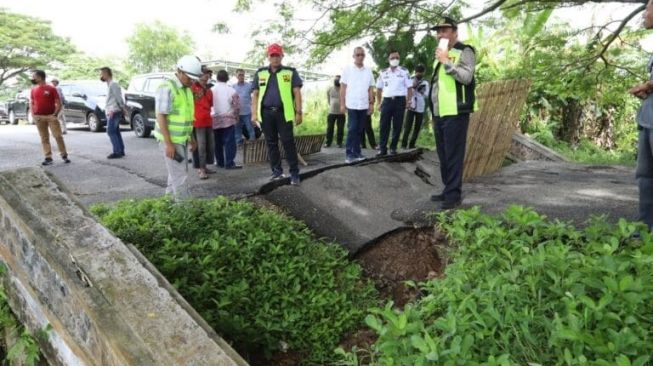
18 108
140 101
85 103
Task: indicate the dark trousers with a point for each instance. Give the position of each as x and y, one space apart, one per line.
392 117
644 175
418 118
356 123
335 120
451 138
113 130
369 131
225 146
275 127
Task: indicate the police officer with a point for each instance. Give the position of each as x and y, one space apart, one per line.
396 88
277 103
452 99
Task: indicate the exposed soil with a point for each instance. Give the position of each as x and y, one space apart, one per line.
406 255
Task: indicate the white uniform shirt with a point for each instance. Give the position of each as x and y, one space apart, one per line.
394 83
358 81
419 96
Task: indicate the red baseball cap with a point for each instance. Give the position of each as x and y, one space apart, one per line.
275 49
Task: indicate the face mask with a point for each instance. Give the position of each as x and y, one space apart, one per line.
418 77
102 78
336 82
394 62
34 82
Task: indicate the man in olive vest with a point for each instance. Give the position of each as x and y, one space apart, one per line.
452 99
175 112
277 103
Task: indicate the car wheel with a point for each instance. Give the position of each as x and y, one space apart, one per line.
93 122
12 118
138 124
30 118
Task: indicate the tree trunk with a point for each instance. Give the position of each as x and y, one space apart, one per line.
571 121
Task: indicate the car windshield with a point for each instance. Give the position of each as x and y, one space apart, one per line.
98 89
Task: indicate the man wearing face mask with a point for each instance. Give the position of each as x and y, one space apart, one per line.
396 88
452 98
417 106
335 114
175 112
114 108
45 106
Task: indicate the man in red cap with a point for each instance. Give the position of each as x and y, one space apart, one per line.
277 103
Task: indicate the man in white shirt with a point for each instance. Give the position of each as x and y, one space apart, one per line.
357 99
416 111
396 88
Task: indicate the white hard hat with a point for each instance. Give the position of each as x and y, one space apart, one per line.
191 66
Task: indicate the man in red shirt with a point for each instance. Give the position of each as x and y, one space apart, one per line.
203 124
45 106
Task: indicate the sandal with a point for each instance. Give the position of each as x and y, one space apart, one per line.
203 175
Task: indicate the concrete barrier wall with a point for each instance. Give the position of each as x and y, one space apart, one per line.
104 306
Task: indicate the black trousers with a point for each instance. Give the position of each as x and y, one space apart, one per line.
275 127
451 138
332 119
392 117
418 118
369 131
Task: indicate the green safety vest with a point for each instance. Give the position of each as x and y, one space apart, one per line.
284 80
180 119
453 97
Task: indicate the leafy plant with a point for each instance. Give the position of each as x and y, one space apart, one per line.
522 290
258 277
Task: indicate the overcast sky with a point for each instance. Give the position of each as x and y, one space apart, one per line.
99 28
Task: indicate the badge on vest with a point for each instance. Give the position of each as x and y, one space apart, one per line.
262 81
286 78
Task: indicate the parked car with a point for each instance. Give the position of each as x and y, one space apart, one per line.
4 116
18 108
140 101
84 104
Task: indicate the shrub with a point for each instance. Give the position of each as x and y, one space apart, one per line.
258 277
525 291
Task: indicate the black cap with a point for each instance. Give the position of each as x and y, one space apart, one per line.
446 23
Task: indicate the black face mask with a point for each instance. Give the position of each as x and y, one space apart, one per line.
336 82
419 77
102 78
34 82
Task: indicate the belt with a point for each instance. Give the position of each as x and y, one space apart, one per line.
396 97
273 109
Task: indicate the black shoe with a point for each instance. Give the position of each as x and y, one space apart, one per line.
393 152
114 156
327 145
294 180
380 154
47 161
448 205
233 167
66 160
437 197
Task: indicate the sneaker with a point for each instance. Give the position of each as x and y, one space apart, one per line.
341 146
277 176
235 166
349 160
114 156
294 180
47 161
360 158
66 160
381 154
393 152
437 197
448 205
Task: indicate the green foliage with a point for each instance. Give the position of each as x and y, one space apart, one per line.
258 277
522 290
157 47
80 66
28 43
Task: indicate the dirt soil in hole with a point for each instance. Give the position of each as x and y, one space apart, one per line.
411 254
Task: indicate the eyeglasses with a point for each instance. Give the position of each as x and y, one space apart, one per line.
359 55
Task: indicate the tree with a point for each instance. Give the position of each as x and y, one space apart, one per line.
157 47
80 66
28 43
